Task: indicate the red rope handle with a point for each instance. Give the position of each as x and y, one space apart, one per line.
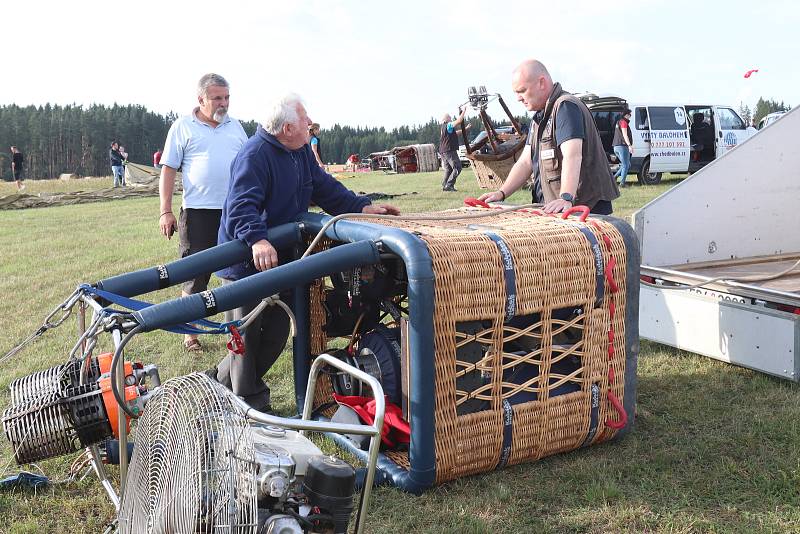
620 409
236 343
614 288
584 211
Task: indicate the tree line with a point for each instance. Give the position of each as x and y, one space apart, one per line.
762 109
75 139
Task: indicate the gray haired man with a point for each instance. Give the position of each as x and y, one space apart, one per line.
203 145
274 179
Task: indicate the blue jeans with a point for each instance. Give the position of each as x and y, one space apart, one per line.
624 156
119 175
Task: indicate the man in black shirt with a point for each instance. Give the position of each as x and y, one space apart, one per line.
17 164
448 150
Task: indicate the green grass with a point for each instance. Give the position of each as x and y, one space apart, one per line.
715 448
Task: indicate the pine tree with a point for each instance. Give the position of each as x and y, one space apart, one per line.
745 113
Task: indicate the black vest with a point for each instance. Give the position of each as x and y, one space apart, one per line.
448 141
595 182
619 139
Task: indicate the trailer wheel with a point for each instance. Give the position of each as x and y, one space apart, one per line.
646 177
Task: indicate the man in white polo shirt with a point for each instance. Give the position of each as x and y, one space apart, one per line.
203 145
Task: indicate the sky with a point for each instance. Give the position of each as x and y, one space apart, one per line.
394 63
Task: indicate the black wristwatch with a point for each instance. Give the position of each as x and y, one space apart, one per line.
569 198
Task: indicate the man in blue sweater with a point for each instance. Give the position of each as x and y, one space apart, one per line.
274 179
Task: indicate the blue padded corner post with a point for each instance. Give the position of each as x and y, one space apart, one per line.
419 267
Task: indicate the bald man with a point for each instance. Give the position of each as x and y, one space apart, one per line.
564 151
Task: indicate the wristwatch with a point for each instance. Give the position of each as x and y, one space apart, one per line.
569 198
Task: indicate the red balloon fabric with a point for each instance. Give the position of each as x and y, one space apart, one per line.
750 73
395 428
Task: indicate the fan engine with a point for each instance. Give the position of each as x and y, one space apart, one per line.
200 465
53 414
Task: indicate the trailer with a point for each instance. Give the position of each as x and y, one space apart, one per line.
720 257
404 159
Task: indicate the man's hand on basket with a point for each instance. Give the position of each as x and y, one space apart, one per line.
264 255
557 206
494 196
380 209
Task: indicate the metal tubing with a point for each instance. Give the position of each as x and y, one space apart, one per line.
419 267
122 422
721 285
375 439
100 471
305 424
299 424
301 344
513 119
633 259
209 260
490 133
257 286
94 452
82 325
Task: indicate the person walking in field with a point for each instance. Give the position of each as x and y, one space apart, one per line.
18 167
116 158
448 149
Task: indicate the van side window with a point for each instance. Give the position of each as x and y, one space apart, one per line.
729 120
667 118
641 119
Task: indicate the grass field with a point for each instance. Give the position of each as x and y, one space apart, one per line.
715 448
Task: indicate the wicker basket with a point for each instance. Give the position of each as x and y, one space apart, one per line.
491 170
509 390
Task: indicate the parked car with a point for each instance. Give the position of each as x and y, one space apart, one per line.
769 119
462 155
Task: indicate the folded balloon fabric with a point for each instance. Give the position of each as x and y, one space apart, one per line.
395 429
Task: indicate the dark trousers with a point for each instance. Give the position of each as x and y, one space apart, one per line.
197 230
452 168
264 340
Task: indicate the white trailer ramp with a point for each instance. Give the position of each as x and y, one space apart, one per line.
734 226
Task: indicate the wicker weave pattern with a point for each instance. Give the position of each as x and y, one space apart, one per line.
318 341
555 270
492 174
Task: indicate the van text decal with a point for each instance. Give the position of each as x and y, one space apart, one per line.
665 134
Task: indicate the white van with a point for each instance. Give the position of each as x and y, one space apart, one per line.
675 138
